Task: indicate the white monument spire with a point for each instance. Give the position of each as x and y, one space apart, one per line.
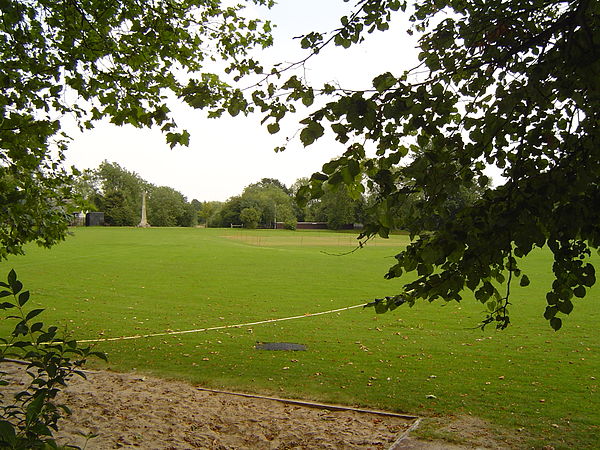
144 222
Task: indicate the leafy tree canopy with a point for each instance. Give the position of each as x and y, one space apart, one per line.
266 197
266 182
507 84
206 211
229 213
120 196
167 208
273 202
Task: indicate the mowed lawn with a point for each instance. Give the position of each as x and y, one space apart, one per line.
529 381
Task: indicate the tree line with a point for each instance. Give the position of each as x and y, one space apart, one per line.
118 193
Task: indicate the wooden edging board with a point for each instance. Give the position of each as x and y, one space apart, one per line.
396 445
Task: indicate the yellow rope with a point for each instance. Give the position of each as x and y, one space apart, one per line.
222 327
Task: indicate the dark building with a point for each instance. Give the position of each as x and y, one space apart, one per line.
94 219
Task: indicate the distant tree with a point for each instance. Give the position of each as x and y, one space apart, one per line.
85 192
229 214
250 217
118 193
189 217
206 210
118 210
272 201
196 205
167 207
336 207
121 192
214 217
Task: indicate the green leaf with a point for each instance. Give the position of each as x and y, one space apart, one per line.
579 291
35 407
550 312
565 307
23 298
524 281
12 277
16 287
329 167
100 355
384 81
308 98
7 433
273 128
31 314
381 307
551 298
21 329
311 133
354 168
319 176
555 323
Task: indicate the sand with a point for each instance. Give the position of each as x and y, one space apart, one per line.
134 411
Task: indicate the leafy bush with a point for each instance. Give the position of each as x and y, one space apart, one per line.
28 420
290 224
250 217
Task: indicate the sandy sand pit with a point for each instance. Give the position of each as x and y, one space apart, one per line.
133 411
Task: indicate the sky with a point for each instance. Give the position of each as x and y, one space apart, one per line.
227 154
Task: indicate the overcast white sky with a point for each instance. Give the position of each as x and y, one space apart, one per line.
227 154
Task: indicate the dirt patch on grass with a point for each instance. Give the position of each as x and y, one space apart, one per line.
310 240
134 411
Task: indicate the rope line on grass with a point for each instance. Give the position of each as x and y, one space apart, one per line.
221 327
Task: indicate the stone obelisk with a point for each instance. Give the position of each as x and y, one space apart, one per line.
144 222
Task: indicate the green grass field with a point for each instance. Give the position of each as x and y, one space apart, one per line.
106 282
